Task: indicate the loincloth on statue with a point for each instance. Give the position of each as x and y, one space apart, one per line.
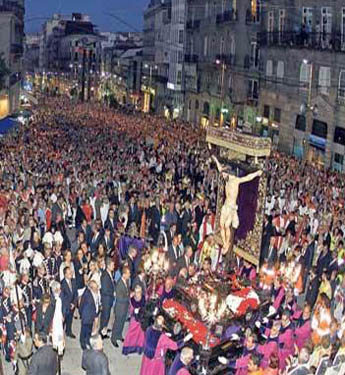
229 215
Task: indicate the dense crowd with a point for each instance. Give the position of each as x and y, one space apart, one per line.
85 191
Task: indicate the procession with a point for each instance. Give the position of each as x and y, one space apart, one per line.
142 233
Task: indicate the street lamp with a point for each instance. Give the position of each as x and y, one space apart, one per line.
222 112
147 99
307 108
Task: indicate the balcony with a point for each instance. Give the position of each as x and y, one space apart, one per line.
227 16
193 59
193 25
334 42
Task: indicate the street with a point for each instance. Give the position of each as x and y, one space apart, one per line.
71 362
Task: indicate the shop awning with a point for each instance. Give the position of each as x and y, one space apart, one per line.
6 124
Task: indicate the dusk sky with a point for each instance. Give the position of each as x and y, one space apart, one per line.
130 11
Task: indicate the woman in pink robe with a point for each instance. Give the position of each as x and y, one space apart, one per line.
157 343
135 336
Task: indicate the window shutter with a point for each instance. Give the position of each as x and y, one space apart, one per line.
342 84
305 73
269 68
324 79
280 69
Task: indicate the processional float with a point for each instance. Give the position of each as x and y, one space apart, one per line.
243 154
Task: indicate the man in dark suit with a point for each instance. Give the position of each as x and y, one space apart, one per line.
185 260
323 260
94 360
174 254
130 260
110 223
44 361
155 221
140 280
121 306
87 230
69 298
96 238
107 296
89 309
186 219
171 233
108 240
133 214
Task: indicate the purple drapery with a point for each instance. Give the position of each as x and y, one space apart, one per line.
126 241
247 202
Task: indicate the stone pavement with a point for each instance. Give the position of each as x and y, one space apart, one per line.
71 362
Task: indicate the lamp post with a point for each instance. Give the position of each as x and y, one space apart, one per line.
147 101
223 67
308 109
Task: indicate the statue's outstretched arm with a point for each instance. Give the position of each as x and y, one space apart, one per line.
219 166
251 176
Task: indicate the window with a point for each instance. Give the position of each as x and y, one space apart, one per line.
77 43
269 68
338 158
319 128
280 70
222 43
307 16
190 105
75 56
217 115
206 8
326 20
253 89
180 36
305 73
256 9
301 123
219 83
206 110
232 46
270 22
197 104
266 111
205 45
179 77
341 90
324 79
223 5
180 57
230 82
339 135
281 25
255 53
342 28
277 114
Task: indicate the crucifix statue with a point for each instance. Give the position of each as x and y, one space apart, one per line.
229 220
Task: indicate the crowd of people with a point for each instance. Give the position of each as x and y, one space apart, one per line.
85 191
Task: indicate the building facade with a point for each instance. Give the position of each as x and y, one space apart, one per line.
11 48
71 55
156 55
270 68
223 66
302 92
32 52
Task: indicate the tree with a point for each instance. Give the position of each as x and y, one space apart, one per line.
4 71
